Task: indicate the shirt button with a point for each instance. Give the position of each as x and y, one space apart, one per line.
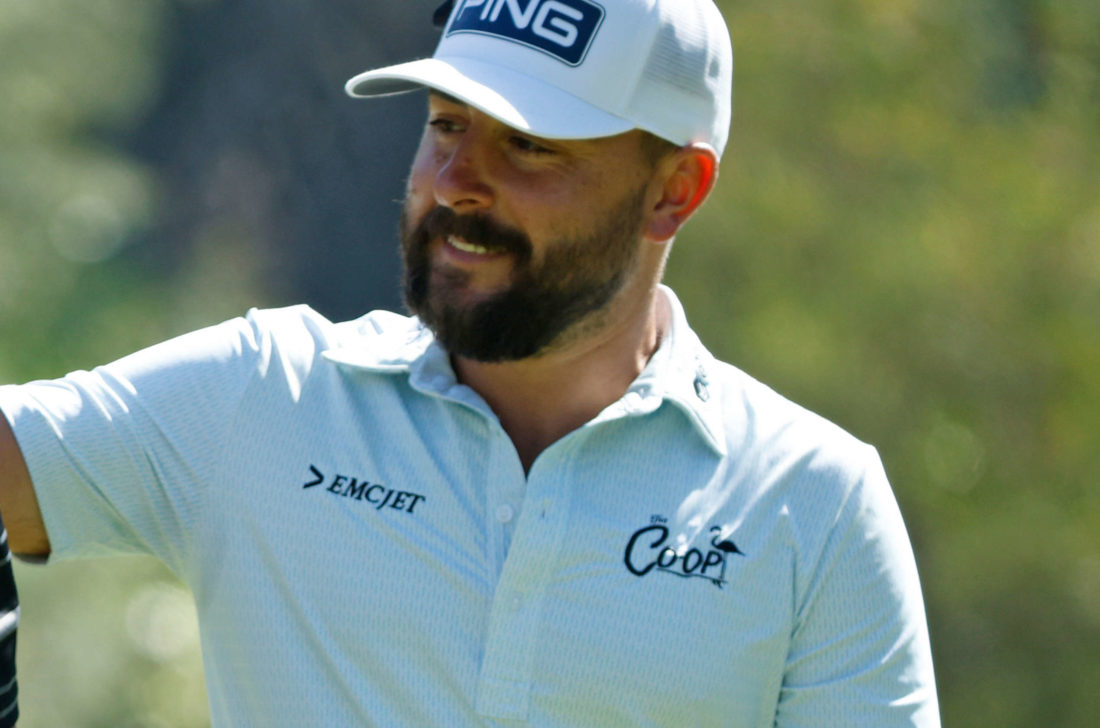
701 389
505 513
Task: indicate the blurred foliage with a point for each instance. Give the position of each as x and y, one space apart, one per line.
905 238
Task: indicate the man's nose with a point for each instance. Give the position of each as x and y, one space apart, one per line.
461 182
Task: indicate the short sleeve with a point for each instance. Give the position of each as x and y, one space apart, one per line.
119 455
860 654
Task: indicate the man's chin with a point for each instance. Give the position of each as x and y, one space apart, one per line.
461 291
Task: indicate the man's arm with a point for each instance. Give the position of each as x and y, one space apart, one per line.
18 504
860 655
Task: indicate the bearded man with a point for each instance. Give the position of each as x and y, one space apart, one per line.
539 500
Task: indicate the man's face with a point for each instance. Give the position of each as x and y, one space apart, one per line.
513 244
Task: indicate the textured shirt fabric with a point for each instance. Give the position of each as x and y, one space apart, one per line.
365 549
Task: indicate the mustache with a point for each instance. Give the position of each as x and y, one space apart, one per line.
481 230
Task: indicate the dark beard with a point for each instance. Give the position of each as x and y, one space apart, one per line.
577 278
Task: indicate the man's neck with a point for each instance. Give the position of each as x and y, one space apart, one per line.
542 399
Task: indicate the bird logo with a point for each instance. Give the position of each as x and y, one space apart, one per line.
725 545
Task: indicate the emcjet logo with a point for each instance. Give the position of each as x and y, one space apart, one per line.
378 496
562 28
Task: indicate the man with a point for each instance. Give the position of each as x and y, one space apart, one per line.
540 501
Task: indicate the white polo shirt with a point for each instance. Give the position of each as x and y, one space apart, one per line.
365 549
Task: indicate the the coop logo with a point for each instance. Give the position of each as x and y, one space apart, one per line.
648 550
562 28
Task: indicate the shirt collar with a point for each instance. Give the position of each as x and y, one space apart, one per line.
685 374
681 371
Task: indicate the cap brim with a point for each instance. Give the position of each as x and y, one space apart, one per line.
511 97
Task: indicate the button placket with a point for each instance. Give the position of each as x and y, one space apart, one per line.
505 680
505 484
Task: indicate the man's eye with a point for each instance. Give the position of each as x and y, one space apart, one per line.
529 146
444 125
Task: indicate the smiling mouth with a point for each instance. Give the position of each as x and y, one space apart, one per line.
465 246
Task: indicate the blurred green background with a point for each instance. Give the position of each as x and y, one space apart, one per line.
905 238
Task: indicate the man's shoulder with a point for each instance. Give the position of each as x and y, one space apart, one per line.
302 329
768 406
774 428
750 421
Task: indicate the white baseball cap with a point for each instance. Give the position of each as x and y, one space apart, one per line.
580 69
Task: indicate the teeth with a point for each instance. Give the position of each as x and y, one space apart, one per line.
465 246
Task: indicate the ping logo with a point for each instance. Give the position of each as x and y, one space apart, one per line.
563 29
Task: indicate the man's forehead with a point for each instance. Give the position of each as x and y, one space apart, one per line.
445 98
434 93
441 97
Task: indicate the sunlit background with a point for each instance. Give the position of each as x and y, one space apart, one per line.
905 238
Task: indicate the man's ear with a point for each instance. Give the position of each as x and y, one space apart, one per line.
687 176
